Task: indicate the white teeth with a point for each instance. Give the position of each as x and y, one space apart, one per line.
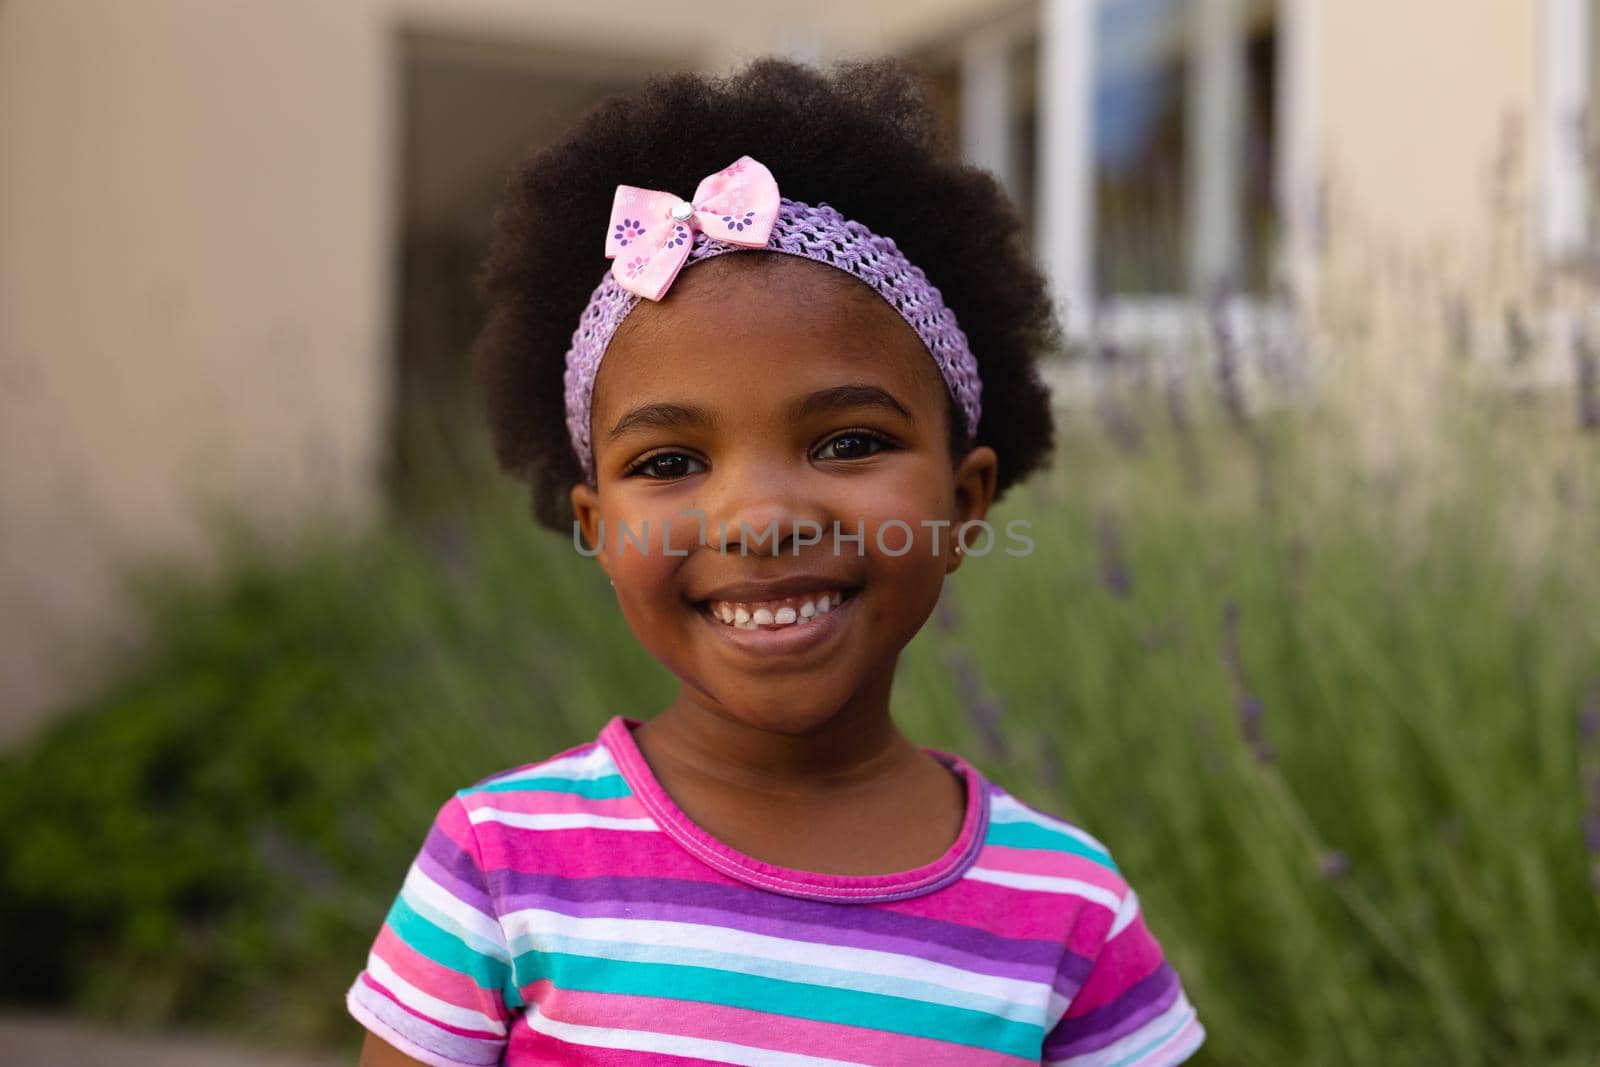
786 611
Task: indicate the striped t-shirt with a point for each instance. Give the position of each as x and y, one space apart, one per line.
568 912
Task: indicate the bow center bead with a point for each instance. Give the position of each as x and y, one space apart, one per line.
682 210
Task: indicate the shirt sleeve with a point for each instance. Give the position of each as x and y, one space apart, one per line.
1130 1009
438 982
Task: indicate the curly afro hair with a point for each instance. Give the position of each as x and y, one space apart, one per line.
859 136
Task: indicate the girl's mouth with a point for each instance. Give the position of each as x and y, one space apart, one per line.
775 614
786 626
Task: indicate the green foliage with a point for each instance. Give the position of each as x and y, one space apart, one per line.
1354 813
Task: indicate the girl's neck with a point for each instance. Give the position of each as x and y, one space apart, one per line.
855 748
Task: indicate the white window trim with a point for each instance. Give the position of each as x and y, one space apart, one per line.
1566 81
1065 221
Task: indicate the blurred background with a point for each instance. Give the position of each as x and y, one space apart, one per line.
1311 636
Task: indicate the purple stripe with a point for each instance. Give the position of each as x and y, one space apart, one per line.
1071 973
866 926
1144 1001
452 867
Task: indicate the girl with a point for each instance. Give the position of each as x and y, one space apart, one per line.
777 461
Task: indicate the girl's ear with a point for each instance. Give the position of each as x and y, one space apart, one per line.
586 512
975 479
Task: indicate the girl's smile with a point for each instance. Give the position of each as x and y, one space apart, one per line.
782 627
784 436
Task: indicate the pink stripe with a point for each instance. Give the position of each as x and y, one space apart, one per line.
453 821
1018 913
539 802
1086 938
806 1037
1130 957
436 980
476 1035
1054 864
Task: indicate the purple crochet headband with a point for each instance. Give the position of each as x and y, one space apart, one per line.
817 232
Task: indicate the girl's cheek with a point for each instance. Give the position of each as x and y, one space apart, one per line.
644 545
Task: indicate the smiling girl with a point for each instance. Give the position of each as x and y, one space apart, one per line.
807 375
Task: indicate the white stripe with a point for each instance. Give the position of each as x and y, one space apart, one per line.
1156 1032
568 820
1125 914
629 935
1007 809
674 1044
428 898
430 1006
596 763
1048 884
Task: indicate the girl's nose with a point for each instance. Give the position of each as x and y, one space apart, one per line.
769 514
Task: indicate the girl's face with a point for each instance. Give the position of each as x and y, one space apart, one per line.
776 392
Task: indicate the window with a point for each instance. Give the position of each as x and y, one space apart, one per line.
1138 138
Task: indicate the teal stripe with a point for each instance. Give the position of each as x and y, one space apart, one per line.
808 974
848 1007
603 788
447 949
1032 835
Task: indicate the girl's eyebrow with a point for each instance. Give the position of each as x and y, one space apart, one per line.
664 417
848 396
667 416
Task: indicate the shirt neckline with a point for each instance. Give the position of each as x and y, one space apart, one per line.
617 736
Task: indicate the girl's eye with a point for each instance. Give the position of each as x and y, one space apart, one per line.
854 444
663 466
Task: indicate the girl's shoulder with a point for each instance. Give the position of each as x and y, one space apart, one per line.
587 761
1016 824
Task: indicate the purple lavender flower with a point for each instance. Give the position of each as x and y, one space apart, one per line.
1113 568
739 222
1249 705
1519 337
1588 383
1051 774
983 711
1228 382
1334 864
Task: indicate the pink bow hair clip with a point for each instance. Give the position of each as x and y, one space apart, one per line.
650 232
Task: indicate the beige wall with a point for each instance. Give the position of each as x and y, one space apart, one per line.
197 203
1413 104
192 229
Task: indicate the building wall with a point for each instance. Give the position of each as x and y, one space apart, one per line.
1415 102
192 207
